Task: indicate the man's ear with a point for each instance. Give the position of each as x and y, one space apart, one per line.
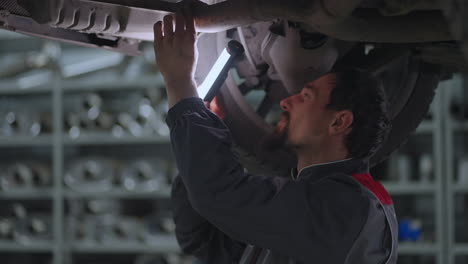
341 123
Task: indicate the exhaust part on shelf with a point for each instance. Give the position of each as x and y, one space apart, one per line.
105 121
35 228
90 175
92 105
26 176
21 124
152 119
6 229
426 168
102 207
73 125
85 229
404 168
128 123
143 175
17 176
118 228
157 225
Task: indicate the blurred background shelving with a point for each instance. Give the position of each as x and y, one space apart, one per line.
420 176
86 165
456 148
432 167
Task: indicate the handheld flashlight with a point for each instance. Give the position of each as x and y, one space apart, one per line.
218 73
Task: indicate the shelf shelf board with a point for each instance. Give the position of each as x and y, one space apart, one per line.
164 244
25 141
396 188
461 249
27 194
459 125
83 85
418 248
122 194
107 139
11 246
94 84
11 88
425 127
460 188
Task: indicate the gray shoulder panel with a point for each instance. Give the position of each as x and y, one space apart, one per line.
378 240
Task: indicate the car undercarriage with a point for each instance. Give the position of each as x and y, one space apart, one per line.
410 45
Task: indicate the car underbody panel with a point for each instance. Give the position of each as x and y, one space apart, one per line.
116 27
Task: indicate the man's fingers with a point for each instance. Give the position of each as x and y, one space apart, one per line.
180 24
158 36
189 21
168 26
217 106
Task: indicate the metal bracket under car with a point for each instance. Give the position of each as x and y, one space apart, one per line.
28 26
87 23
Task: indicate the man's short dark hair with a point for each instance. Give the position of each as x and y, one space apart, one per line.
364 95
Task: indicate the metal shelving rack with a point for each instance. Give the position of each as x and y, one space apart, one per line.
49 194
57 89
455 249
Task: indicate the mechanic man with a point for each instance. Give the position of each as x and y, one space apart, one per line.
329 211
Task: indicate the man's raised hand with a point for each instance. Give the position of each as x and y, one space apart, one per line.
176 55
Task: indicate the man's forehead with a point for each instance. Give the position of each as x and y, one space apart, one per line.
325 81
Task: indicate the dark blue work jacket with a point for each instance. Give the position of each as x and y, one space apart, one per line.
329 213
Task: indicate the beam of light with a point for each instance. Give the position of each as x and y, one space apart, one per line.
215 71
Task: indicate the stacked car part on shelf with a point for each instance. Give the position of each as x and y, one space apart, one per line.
16 123
24 176
25 227
103 222
98 174
145 118
405 168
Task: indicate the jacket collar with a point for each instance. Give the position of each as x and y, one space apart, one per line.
318 171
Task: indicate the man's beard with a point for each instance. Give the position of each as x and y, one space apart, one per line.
278 139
